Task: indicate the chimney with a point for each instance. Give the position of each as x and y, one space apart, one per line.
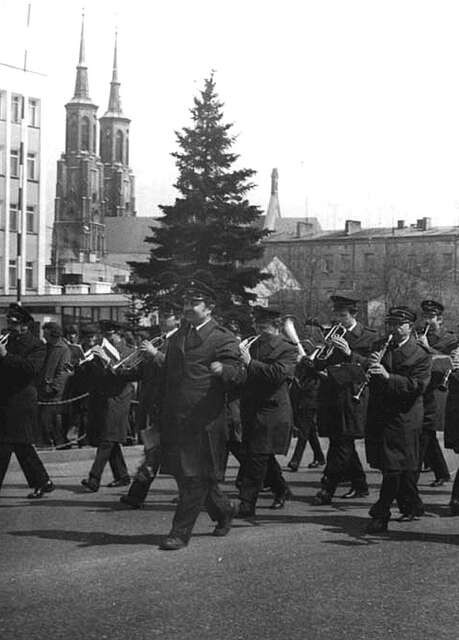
400 224
424 224
352 226
304 228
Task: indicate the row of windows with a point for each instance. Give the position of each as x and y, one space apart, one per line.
343 263
13 274
30 218
32 164
33 109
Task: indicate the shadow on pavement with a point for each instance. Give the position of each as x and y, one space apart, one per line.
90 538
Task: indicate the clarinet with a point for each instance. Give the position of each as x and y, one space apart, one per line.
364 385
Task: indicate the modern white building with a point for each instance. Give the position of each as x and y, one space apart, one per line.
22 181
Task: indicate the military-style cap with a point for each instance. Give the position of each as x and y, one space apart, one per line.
401 314
89 330
197 290
342 303
432 307
71 330
266 313
17 313
109 326
54 329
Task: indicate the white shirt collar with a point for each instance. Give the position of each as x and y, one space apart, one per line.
352 327
400 344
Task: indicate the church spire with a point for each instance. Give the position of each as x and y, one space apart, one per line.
114 102
81 93
273 214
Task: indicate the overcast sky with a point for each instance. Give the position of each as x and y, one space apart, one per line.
356 102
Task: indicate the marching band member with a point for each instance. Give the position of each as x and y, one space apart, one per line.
21 359
202 362
395 419
438 341
340 418
108 409
266 412
452 424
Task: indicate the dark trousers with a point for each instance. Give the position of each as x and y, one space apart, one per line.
51 426
112 453
343 462
195 492
29 461
400 486
257 467
430 450
144 476
307 432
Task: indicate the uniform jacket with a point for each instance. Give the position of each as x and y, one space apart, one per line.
55 371
338 414
19 370
109 400
395 410
440 343
452 413
193 422
266 411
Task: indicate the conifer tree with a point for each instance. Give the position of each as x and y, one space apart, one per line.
211 228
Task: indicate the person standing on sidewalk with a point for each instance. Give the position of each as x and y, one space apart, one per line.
21 360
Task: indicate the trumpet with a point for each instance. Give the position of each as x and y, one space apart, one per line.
364 385
324 351
133 359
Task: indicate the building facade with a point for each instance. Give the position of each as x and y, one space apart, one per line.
22 182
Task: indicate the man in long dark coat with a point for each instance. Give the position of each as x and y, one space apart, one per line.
266 411
452 424
439 342
202 361
395 414
108 410
340 417
20 363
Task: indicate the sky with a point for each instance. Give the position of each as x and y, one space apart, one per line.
356 102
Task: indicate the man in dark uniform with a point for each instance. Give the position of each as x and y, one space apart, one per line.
21 361
202 363
452 423
439 342
395 418
108 409
266 411
340 417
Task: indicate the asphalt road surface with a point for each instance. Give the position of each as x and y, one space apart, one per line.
77 566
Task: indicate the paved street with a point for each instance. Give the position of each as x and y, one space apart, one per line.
75 565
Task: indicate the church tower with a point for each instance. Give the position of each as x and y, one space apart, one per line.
273 214
119 188
78 233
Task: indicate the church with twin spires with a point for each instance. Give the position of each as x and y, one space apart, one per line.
94 181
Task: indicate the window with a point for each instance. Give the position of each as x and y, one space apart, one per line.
13 217
369 261
85 133
119 146
12 273
32 166
447 261
33 113
15 108
29 275
14 163
2 161
30 220
2 105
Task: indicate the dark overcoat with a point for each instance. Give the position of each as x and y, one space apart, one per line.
338 414
441 343
193 423
452 413
266 410
395 410
19 371
109 400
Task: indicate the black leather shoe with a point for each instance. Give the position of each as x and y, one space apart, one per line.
172 543
121 482
356 493
376 525
90 485
293 466
322 497
454 507
39 493
280 500
245 512
223 527
440 482
131 502
315 464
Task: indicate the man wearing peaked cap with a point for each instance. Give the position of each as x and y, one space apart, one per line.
21 361
340 418
439 342
397 382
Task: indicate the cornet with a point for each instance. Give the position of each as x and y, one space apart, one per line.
324 351
133 359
